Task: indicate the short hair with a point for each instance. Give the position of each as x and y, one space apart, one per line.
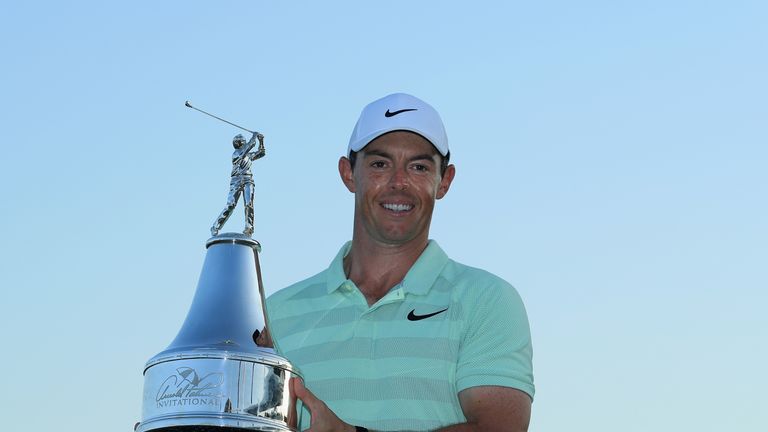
443 161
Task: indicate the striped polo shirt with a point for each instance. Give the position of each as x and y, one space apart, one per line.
400 363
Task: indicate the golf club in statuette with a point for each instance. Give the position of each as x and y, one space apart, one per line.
220 373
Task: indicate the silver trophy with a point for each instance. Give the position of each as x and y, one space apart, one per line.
220 373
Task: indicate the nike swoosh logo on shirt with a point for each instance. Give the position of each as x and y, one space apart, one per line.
413 317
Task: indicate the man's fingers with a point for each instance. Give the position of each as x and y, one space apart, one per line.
304 394
293 415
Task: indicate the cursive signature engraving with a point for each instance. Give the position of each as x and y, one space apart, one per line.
186 387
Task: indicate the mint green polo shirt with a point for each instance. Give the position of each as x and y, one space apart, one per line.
400 363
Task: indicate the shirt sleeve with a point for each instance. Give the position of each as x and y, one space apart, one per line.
496 347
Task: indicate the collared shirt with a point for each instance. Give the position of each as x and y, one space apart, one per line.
400 363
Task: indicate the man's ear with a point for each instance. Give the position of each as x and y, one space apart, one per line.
345 171
445 181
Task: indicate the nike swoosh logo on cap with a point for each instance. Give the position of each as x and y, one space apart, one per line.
392 114
413 317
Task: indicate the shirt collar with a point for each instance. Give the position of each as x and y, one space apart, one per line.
335 273
418 280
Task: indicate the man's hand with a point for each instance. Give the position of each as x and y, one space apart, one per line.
261 142
323 419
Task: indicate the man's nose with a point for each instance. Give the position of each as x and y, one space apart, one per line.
399 179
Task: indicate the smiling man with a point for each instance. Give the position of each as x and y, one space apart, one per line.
394 335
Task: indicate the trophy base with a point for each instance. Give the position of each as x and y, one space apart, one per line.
209 429
215 376
212 428
201 391
200 429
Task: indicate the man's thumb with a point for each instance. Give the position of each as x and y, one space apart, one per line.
303 393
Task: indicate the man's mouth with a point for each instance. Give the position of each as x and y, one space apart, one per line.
397 208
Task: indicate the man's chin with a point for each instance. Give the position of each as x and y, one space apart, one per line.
397 238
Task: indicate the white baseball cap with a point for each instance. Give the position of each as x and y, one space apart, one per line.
398 111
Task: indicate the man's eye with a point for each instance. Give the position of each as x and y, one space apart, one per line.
420 167
378 164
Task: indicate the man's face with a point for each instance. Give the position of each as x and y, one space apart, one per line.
396 181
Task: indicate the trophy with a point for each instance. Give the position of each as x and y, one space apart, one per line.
220 373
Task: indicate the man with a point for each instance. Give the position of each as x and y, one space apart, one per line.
242 181
395 336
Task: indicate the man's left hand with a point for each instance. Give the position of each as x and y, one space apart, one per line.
323 419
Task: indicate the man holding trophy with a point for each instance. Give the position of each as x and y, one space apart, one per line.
394 335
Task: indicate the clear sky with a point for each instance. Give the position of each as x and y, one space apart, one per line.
611 164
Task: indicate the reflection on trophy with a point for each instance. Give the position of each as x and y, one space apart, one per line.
220 372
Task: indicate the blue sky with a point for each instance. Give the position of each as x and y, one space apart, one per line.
611 164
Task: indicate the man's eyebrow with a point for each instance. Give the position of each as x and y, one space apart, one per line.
384 154
379 153
425 156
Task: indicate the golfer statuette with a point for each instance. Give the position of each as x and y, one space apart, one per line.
242 181
218 374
